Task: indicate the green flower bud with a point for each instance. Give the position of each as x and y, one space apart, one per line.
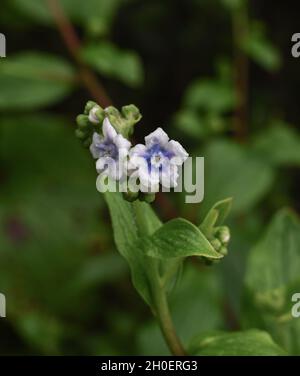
100 114
123 122
80 134
132 113
216 244
89 106
82 121
223 234
223 250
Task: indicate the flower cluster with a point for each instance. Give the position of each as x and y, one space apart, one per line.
151 164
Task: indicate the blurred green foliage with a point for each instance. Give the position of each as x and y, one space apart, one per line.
67 289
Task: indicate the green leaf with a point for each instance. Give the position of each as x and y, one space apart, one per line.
126 234
260 49
272 277
217 215
178 238
31 80
211 95
41 332
247 343
111 61
234 171
279 144
200 126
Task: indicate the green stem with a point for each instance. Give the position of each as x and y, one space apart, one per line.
162 311
157 285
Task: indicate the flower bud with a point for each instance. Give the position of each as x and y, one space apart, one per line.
80 134
216 244
223 250
223 234
82 121
132 113
96 115
89 106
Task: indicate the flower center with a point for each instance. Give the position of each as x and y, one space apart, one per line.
108 150
156 160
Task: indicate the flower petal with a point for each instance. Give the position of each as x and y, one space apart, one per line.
94 148
136 156
108 130
159 136
121 142
103 163
178 151
169 176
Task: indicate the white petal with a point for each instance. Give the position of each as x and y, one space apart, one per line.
121 142
159 136
115 171
175 148
148 178
136 158
149 182
103 163
138 149
169 176
108 130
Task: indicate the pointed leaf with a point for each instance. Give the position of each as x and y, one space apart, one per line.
126 235
178 238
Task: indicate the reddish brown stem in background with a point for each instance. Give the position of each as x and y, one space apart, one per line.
241 67
68 33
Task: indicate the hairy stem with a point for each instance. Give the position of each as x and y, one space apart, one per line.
72 42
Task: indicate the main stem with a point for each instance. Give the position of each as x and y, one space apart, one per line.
158 291
162 312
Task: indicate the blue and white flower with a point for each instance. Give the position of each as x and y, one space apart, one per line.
157 161
111 151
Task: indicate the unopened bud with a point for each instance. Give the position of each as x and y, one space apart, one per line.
223 250
82 121
223 234
80 134
216 244
89 106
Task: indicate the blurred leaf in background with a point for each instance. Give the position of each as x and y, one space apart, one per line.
114 62
267 302
30 80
